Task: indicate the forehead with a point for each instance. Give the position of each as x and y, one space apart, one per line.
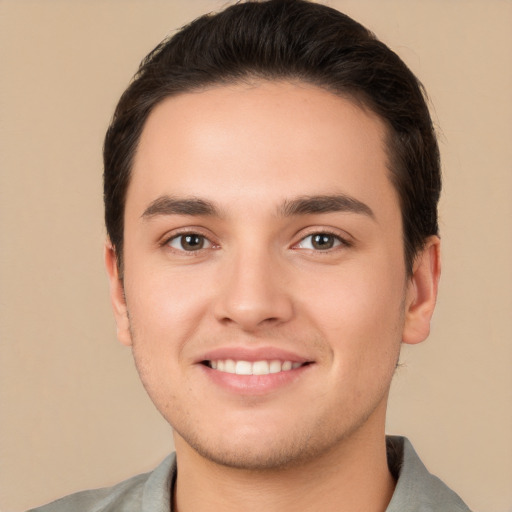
240 144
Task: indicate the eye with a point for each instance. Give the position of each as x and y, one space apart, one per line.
320 242
189 242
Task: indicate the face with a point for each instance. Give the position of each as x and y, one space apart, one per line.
265 291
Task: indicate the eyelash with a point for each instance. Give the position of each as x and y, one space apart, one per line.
182 236
338 241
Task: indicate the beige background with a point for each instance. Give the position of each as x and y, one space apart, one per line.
73 414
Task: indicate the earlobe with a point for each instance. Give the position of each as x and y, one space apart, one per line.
117 297
422 292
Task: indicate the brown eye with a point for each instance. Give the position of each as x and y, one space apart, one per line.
189 242
320 242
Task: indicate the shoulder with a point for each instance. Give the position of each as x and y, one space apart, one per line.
417 490
148 491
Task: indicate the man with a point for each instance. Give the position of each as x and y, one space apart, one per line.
271 187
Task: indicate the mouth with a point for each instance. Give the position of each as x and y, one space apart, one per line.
262 367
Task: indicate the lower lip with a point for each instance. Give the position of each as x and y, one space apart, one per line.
255 384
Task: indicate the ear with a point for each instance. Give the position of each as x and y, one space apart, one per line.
117 297
422 292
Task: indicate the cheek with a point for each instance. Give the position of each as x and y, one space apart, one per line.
358 308
165 307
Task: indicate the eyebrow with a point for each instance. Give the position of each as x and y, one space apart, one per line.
304 205
309 205
168 205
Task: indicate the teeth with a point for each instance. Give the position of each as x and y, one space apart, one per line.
287 365
275 366
243 368
260 368
255 368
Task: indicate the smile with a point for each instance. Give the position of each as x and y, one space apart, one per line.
262 367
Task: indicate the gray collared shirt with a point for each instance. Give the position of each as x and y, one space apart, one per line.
416 490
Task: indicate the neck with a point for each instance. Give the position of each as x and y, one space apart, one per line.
353 476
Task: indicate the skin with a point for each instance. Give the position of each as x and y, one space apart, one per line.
250 153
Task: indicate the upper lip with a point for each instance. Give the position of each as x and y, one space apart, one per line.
252 354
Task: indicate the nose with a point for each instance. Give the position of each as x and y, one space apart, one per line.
253 292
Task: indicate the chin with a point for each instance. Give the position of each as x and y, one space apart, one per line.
263 450
254 458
